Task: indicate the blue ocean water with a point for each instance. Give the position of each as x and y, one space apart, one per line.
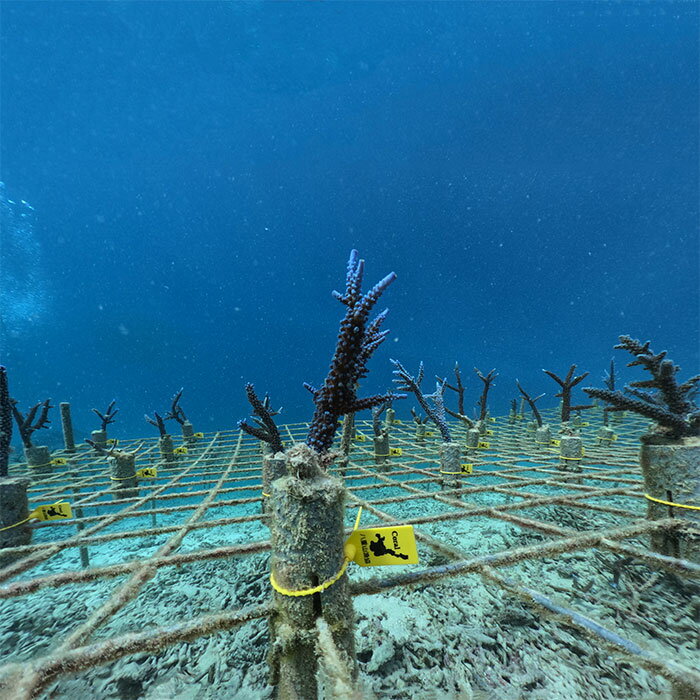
195 174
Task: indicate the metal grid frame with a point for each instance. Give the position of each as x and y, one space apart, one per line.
223 471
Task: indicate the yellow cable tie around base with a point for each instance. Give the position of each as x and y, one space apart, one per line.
21 522
122 478
669 503
573 459
310 591
267 495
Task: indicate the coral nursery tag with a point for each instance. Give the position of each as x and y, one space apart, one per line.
467 468
483 445
198 435
112 441
361 438
395 451
382 546
180 450
555 443
397 421
147 473
59 460
55 511
429 433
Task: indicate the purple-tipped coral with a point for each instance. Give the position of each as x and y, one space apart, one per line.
266 430
357 340
670 405
407 382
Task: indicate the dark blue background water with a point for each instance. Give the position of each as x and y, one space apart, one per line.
200 172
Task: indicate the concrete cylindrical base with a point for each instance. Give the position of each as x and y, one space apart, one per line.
67 426
166 447
381 450
512 417
14 508
543 436
450 465
389 420
473 437
123 475
420 433
188 433
672 473
606 435
38 459
307 509
99 437
570 453
273 467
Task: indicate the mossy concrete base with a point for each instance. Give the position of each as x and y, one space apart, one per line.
14 508
450 465
273 467
166 447
381 451
67 426
38 459
570 453
543 437
473 437
123 473
188 433
307 509
420 433
672 473
99 437
606 435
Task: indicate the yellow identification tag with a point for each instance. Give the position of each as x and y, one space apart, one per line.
198 435
583 452
489 432
429 433
180 450
518 417
361 438
397 421
395 451
555 443
112 441
147 473
483 445
467 468
493 420
585 424
55 511
382 546
59 460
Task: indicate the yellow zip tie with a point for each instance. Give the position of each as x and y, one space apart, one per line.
122 478
668 503
21 522
573 459
310 591
267 495
441 472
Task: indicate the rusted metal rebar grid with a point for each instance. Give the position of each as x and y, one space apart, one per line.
532 572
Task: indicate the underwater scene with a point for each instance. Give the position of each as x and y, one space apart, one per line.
349 350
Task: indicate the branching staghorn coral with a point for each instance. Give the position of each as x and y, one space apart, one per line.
418 419
357 341
488 381
112 450
609 376
567 384
176 412
31 422
5 422
531 403
265 428
458 387
376 416
406 382
108 416
672 407
158 421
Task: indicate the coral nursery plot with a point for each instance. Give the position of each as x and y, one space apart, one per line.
535 580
